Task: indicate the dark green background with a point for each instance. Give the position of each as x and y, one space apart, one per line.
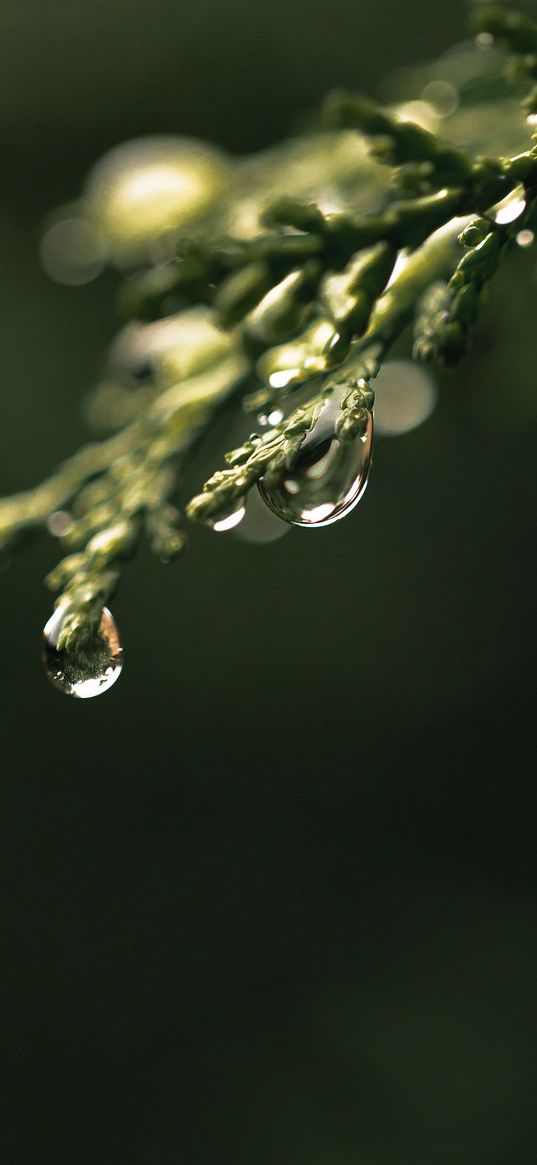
272 901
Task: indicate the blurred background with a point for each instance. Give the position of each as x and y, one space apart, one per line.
272 900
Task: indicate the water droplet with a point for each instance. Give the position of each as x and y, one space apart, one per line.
269 420
91 671
290 364
510 208
328 476
227 521
275 417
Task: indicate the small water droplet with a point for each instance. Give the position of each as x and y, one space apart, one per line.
328 476
227 521
510 208
89 672
275 417
284 377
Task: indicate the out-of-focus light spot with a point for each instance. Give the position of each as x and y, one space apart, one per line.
59 523
265 420
442 96
260 525
484 40
330 201
144 191
405 397
422 113
532 119
72 251
525 238
511 207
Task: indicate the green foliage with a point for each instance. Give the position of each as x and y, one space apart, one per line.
296 270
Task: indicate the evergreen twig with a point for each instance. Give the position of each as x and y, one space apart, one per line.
305 296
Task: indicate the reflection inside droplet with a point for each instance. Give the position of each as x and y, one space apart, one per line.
91 671
405 395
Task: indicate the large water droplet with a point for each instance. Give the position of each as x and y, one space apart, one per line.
328 476
91 671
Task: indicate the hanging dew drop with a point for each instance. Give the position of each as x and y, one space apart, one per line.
328 476
226 521
92 670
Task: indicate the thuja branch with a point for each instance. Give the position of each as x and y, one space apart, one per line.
264 457
282 282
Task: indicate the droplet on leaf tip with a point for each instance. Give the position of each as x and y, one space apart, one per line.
328 476
228 520
91 671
